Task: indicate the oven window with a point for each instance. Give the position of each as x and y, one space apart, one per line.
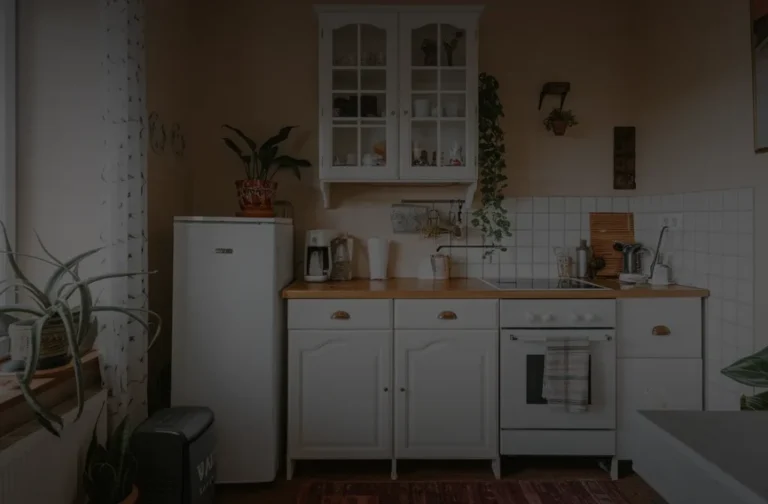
534 379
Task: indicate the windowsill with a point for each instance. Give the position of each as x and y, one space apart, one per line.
52 389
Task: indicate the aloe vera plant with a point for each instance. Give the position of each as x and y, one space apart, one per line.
751 371
53 304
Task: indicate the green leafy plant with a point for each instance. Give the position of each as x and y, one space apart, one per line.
262 162
110 470
751 371
559 120
491 218
53 306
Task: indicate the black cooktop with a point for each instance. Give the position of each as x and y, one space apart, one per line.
542 284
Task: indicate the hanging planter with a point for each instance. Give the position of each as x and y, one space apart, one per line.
560 120
491 219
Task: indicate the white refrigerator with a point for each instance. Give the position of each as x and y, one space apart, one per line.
229 335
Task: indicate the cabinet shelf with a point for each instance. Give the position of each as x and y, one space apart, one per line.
359 67
454 67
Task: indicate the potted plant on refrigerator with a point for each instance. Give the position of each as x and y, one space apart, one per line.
110 469
560 120
256 192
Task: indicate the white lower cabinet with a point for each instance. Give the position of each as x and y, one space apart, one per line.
653 384
446 402
340 394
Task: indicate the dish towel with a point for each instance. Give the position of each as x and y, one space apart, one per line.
566 374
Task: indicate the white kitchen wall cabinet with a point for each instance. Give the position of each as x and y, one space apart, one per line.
339 394
398 95
446 402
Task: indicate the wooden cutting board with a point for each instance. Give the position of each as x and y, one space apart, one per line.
604 229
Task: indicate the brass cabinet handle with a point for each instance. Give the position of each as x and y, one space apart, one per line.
447 315
340 315
661 330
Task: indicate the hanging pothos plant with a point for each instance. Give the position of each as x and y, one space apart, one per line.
491 218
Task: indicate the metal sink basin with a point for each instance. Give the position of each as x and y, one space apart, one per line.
543 284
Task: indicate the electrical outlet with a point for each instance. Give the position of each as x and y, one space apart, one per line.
673 220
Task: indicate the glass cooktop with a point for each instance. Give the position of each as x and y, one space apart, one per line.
542 284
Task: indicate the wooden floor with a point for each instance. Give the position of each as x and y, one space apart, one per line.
634 489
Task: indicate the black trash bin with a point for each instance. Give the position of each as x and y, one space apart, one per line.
174 449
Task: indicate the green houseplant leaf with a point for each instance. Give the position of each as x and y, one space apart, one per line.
757 402
751 371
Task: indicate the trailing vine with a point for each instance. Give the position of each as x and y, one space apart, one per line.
491 218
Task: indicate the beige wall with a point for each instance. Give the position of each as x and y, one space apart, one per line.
695 112
169 182
263 78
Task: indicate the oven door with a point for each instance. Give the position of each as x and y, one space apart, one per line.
522 377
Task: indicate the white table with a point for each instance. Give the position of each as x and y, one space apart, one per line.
705 457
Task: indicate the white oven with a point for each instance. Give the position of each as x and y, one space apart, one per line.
522 376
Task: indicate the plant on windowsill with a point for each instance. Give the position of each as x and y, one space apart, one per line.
751 371
560 120
54 331
491 219
256 192
110 470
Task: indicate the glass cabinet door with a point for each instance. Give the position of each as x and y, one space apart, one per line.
438 95
358 109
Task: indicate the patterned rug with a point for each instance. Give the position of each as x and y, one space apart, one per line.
462 492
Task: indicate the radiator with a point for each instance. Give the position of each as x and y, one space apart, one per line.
41 469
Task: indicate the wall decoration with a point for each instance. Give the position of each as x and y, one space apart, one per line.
759 28
624 157
560 120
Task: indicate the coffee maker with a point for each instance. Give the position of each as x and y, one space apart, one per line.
318 260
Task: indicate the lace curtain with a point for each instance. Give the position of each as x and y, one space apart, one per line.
122 342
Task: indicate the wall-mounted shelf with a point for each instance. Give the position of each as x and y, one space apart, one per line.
469 192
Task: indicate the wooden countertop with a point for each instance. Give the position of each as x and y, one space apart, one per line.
473 288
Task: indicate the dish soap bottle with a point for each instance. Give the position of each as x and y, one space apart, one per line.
581 259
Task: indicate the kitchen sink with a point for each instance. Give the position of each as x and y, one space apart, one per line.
543 284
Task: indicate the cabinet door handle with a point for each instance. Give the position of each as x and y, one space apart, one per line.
661 330
340 315
386 389
447 315
405 112
402 389
392 113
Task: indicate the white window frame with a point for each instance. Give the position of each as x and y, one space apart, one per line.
8 61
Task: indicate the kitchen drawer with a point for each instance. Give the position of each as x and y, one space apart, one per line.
541 313
339 314
447 314
660 328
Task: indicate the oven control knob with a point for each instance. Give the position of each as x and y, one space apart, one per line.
549 317
576 317
531 317
590 317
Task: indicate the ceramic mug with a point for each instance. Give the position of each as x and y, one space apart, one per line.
421 107
441 266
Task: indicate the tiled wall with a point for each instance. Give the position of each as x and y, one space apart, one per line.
714 250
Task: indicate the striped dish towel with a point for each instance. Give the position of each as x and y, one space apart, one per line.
566 374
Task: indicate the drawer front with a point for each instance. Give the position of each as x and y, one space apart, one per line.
542 313
339 314
582 443
447 314
660 328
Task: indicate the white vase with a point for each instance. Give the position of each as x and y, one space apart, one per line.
378 258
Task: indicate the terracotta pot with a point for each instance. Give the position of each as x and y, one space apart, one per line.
255 198
133 497
559 127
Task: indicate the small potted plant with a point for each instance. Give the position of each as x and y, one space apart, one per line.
110 470
751 371
256 192
560 120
